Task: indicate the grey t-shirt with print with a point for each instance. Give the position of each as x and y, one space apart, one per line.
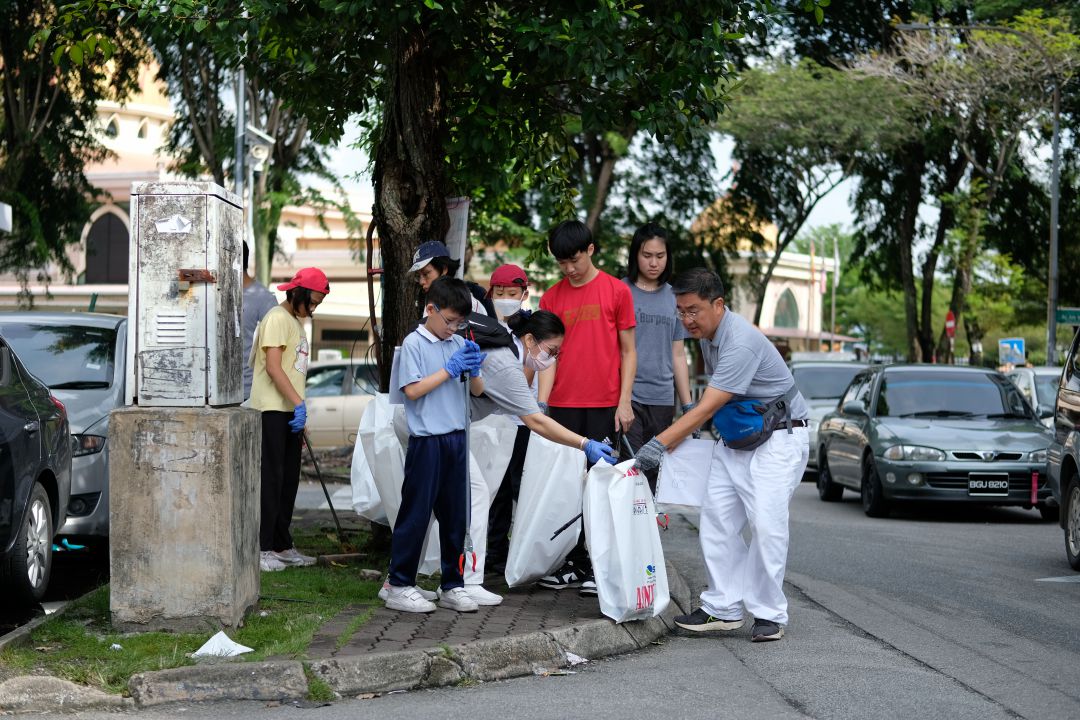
741 360
657 328
506 391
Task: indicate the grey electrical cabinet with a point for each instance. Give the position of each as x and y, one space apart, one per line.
185 290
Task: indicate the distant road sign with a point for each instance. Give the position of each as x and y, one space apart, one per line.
1068 316
1011 350
950 324
5 219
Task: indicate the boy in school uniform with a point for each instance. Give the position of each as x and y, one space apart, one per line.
432 360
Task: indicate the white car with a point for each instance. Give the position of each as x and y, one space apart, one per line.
337 392
1040 387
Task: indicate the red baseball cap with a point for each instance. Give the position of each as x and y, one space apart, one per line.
508 276
309 278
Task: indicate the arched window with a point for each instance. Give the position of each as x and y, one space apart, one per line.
112 128
787 311
107 251
144 128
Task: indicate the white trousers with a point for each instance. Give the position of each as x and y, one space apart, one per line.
753 489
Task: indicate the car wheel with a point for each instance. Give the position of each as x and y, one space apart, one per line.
827 490
1049 513
26 572
874 503
1072 523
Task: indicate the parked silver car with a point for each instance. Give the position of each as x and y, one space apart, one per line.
1040 387
81 357
1064 453
934 433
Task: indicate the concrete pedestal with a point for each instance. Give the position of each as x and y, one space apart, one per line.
184 517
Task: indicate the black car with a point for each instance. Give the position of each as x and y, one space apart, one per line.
1064 455
35 480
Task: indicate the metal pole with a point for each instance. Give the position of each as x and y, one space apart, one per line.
238 136
835 282
1052 290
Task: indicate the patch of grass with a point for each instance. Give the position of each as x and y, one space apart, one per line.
318 689
356 624
294 604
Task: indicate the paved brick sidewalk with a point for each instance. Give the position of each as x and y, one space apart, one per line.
524 610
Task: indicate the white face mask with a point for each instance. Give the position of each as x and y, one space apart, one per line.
540 362
506 307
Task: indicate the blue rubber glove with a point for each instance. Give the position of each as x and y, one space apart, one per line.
596 451
650 455
299 418
460 361
543 407
474 367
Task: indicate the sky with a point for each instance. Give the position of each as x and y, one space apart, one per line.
346 161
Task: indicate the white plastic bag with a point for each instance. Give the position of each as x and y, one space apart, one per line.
551 485
365 496
624 543
386 460
684 474
491 443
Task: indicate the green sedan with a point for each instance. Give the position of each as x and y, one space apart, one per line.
934 433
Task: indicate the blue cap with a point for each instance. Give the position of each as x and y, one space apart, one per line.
426 252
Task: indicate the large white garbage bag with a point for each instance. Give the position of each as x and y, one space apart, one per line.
624 543
365 496
491 443
551 486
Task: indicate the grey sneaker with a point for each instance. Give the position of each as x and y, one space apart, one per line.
701 621
292 556
766 630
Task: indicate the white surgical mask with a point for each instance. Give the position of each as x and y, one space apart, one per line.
541 362
506 307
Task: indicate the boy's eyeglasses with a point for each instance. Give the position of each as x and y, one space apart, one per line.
451 326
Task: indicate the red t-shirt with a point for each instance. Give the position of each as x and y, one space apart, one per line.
587 375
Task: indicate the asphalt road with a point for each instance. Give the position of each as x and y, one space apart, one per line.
936 613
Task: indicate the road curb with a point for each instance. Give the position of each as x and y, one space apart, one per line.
480 661
21 635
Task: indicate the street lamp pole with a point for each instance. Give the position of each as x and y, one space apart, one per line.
1055 171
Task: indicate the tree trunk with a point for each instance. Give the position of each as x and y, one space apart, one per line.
410 182
914 166
962 281
946 222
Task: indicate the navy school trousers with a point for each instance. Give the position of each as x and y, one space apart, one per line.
435 477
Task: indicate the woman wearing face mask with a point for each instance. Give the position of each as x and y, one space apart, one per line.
507 391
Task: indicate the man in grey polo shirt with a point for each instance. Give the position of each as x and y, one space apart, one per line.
745 487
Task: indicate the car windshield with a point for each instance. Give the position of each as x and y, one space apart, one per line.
824 383
65 356
949 394
1046 387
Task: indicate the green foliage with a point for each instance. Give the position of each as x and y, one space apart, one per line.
48 124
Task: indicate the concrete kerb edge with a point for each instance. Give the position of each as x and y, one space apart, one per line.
21 635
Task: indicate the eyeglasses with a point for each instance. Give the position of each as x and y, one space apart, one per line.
451 326
690 314
551 353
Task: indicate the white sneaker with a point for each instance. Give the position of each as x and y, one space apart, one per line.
482 596
292 556
457 599
408 599
268 561
384 592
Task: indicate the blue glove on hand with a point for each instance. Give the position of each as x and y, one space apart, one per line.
299 418
543 407
650 455
475 361
596 451
462 360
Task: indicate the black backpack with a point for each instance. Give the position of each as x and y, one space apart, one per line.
487 332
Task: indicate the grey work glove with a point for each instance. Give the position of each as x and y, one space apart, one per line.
650 455
687 407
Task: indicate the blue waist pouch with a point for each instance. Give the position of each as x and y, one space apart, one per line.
747 424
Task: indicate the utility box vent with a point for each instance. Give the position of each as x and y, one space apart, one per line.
184 345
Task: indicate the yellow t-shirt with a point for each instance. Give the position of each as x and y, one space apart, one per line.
278 329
